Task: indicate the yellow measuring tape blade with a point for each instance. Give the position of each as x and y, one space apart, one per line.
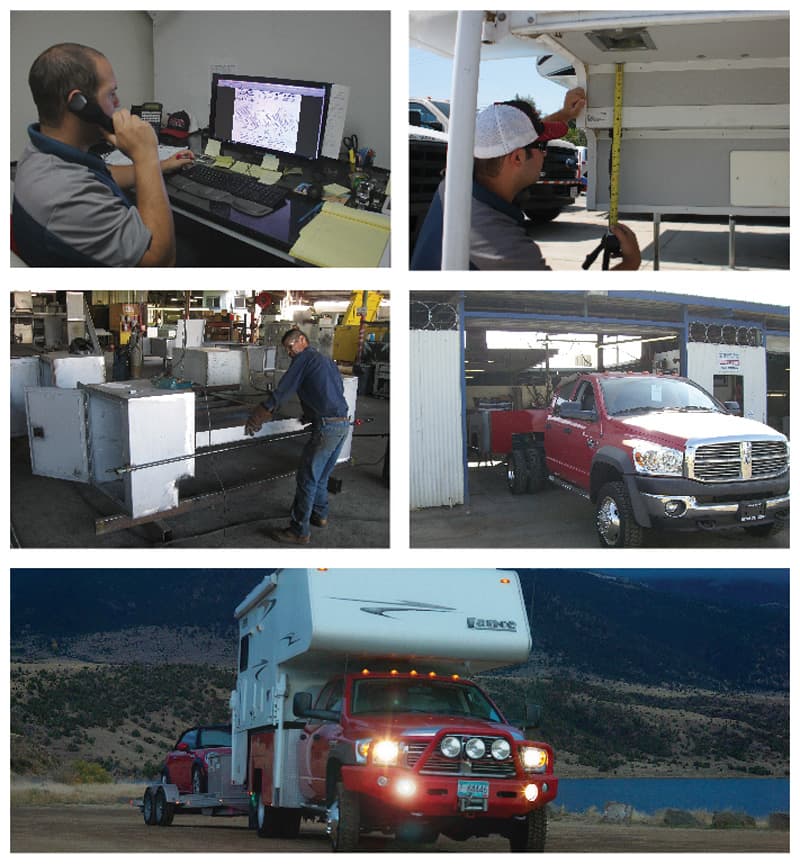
616 144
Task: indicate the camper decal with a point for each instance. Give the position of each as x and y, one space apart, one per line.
385 608
491 624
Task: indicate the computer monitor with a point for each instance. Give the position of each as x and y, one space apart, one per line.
269 115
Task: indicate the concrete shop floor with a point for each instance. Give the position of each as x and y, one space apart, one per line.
550 519
61 514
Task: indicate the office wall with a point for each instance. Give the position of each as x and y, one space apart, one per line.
349 48
126 38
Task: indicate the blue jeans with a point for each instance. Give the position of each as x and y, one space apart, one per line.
316 464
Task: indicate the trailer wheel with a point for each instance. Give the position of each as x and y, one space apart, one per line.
163 810
517 472
148 808
344 820
616 527
530 834
534 461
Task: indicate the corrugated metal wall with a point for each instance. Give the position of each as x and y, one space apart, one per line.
436 448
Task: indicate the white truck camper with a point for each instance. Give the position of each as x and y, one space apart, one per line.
704 99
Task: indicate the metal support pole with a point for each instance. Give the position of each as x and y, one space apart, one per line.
731 242
458 187
656 241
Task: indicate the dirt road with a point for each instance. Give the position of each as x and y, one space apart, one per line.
119 828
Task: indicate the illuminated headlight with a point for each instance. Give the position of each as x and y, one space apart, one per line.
501 749
531 793
475 748
450 746
649 458
405 787
534 758
385 752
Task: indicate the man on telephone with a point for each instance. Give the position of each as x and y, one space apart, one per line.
69 207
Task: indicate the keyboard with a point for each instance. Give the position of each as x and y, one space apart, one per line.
239 190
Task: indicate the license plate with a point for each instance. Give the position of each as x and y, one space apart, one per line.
752 511
473 789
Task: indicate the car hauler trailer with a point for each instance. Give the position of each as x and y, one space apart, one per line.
704 101
350 707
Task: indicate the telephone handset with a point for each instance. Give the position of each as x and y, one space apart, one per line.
90 111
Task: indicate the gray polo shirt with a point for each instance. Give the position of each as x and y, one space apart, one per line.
72 211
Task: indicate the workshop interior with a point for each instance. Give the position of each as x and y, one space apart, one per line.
128 414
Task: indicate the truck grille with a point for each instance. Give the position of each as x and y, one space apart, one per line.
438 763
738 460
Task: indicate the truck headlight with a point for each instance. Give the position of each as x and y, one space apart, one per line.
450 746
534 758
650 458
501 749
385 752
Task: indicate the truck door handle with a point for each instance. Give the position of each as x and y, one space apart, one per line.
567 430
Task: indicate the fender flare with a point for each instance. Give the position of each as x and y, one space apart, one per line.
620 461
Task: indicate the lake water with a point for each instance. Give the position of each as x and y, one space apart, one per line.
757 797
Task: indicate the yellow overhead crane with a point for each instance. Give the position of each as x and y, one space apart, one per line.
359 325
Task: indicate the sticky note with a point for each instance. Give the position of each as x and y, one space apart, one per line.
269 162
212 147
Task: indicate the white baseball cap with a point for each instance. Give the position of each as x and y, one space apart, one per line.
501 129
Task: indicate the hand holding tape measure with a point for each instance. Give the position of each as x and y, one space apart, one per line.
619 241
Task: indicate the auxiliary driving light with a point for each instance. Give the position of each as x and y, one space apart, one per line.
405 787
675 508
531 792
450 746
501 749
475 748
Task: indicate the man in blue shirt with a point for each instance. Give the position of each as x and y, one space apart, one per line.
318 384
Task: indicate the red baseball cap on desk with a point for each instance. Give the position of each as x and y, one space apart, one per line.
177 126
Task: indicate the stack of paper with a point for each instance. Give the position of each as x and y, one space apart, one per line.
340 236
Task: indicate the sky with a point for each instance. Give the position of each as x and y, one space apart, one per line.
430 75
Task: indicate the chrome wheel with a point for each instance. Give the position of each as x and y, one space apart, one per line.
609 523
332 823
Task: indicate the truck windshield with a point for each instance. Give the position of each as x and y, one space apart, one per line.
634 395
396 696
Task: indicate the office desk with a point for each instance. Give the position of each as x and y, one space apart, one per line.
257 241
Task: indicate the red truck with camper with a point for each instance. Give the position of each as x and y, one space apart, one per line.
353 707
651 452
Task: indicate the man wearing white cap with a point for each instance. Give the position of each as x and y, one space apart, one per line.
510 145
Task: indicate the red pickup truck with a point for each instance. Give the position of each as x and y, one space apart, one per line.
418 755
650 451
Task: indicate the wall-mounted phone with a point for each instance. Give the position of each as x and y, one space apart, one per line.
151 112
90 111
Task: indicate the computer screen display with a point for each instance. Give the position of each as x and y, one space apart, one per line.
269 114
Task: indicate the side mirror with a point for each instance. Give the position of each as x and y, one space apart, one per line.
301 705
414 117
733 407
183 747
533 715
574 411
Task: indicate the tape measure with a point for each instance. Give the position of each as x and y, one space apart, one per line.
616 145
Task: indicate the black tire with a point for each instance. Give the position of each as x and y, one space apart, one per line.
764 530
163 810
616 527
344 820
517 472
534 460
199 782
277 821
148 808
529 835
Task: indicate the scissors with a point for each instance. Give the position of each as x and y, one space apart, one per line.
351 143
